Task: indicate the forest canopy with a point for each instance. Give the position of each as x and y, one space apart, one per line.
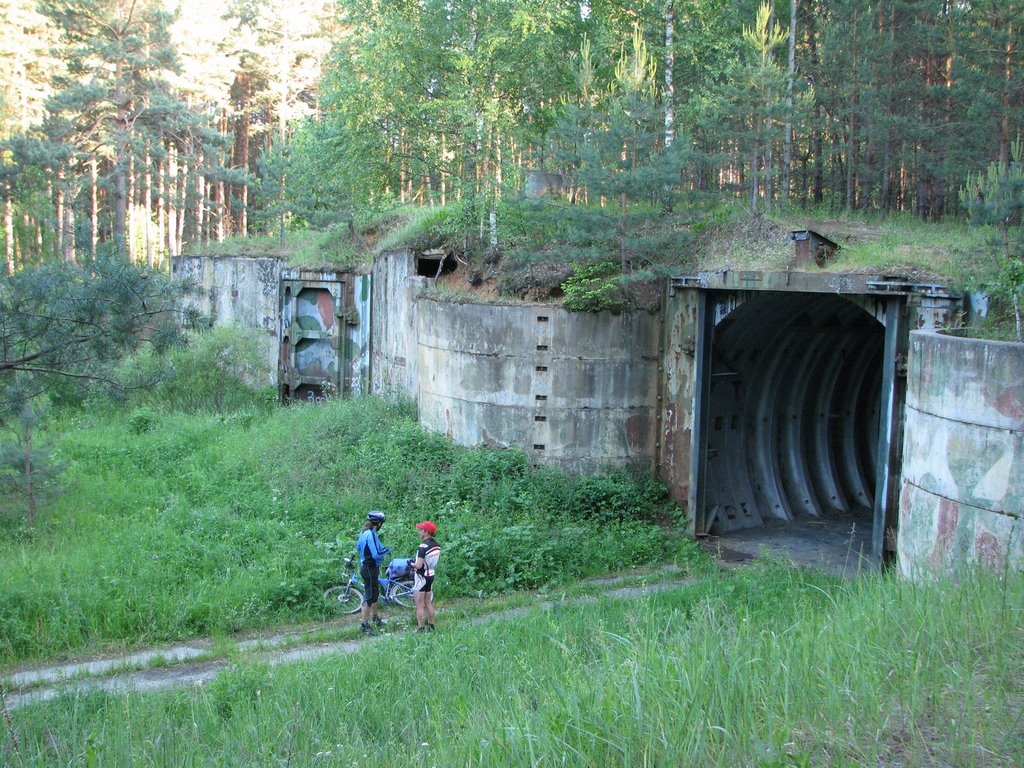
148 127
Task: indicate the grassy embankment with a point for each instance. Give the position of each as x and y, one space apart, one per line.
762 667
173 525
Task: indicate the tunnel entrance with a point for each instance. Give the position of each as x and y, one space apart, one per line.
798 385
795 386
793 411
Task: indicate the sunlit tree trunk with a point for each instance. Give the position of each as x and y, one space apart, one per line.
172 201
147 192
9 230
94 208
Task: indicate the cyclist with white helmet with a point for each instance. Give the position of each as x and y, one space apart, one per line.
371 555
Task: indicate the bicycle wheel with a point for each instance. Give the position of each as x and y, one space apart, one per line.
346 597
401 593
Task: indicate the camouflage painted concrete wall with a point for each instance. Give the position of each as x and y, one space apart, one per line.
574 390
678 392
962 495
238 290
395 286
359 334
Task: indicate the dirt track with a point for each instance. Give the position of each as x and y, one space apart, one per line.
190 664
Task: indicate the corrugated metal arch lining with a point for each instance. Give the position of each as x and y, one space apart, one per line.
793 425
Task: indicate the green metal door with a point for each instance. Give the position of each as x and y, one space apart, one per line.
312 339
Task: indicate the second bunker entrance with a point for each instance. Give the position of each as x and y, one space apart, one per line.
797 387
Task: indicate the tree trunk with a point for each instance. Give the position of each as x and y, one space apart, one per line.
9 230
444 175
754 161
172 201
184 182
1004 138
133 256
200 202
851 154
30 495
147 205
120 204
787 158
161 211
495 192
120 170
59 242
670 62
68 227
817 139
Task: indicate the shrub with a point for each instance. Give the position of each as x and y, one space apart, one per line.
141 421
594 288
222 369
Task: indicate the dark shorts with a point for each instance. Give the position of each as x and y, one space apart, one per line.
422 583
370 572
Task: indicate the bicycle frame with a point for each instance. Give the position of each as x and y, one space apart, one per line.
392 591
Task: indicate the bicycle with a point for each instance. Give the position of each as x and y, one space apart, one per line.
394 591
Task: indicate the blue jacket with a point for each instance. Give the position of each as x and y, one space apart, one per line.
369 546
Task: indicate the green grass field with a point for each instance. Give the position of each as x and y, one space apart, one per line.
174 525
762 667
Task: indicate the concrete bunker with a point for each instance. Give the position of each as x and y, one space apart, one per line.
797 391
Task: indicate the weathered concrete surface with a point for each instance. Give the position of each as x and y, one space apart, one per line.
962 496
571 389
837 543
240 290
395 286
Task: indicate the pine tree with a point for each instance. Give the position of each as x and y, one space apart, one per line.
996 198
116 106
615 142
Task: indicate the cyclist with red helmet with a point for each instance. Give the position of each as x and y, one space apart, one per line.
423 566
371 555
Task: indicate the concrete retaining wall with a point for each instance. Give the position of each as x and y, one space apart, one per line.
395 286
962 499
237 290
575 390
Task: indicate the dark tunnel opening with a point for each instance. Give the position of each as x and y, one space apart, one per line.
793 412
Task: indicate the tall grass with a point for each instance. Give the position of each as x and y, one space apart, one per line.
768 667
174 525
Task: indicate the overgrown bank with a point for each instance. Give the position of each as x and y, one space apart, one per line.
173 525
766 666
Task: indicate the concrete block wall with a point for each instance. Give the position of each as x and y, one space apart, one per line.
962 495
